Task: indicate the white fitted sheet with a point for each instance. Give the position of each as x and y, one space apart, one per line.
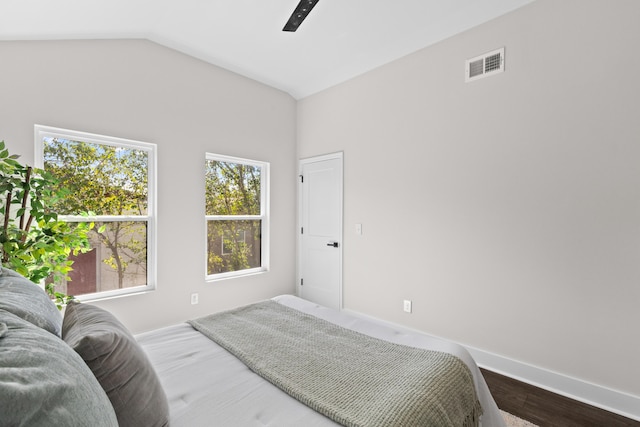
207 386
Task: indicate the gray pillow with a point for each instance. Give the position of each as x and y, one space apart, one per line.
43 382
25 299
119 363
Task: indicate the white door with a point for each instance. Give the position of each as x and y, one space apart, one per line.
320 234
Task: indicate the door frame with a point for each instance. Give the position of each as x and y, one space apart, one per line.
301 162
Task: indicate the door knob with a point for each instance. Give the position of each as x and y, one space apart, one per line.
334 244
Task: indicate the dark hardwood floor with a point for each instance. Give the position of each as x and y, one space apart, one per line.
548 409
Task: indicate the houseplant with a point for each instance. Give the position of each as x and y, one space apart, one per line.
33 241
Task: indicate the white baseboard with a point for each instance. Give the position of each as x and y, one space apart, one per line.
601 397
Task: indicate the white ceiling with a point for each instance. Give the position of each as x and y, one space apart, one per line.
340 39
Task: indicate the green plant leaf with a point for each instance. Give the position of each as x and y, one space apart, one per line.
42 250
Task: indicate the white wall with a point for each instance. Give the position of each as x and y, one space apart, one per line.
139 90
506 209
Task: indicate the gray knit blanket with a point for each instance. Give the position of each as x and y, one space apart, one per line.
351 378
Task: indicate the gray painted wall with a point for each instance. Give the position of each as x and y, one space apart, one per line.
506 209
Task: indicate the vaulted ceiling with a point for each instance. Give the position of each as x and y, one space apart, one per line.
340 39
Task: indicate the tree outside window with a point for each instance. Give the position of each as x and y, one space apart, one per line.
236 215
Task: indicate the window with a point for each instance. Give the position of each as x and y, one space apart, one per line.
111 182
236 212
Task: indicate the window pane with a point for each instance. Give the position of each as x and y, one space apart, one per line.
233 245
118 260
232 188
101 178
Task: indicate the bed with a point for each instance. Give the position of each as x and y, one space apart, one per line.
179 376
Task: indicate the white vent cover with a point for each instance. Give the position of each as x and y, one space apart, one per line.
484 65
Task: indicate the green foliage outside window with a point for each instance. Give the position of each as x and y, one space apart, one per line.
109 181
233 197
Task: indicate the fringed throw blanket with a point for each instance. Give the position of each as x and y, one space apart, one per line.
354 379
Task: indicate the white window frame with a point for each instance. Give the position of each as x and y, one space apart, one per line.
42 132
263 217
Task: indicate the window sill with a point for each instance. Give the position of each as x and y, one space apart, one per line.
106 295
235 274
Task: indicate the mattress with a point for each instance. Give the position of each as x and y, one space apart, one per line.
206 385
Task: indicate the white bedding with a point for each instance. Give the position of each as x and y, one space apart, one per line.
207 386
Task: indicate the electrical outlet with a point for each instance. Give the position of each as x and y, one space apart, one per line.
194 299
407 306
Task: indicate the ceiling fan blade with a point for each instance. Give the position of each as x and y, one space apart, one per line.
299 13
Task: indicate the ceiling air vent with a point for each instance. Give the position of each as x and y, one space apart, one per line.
484 65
